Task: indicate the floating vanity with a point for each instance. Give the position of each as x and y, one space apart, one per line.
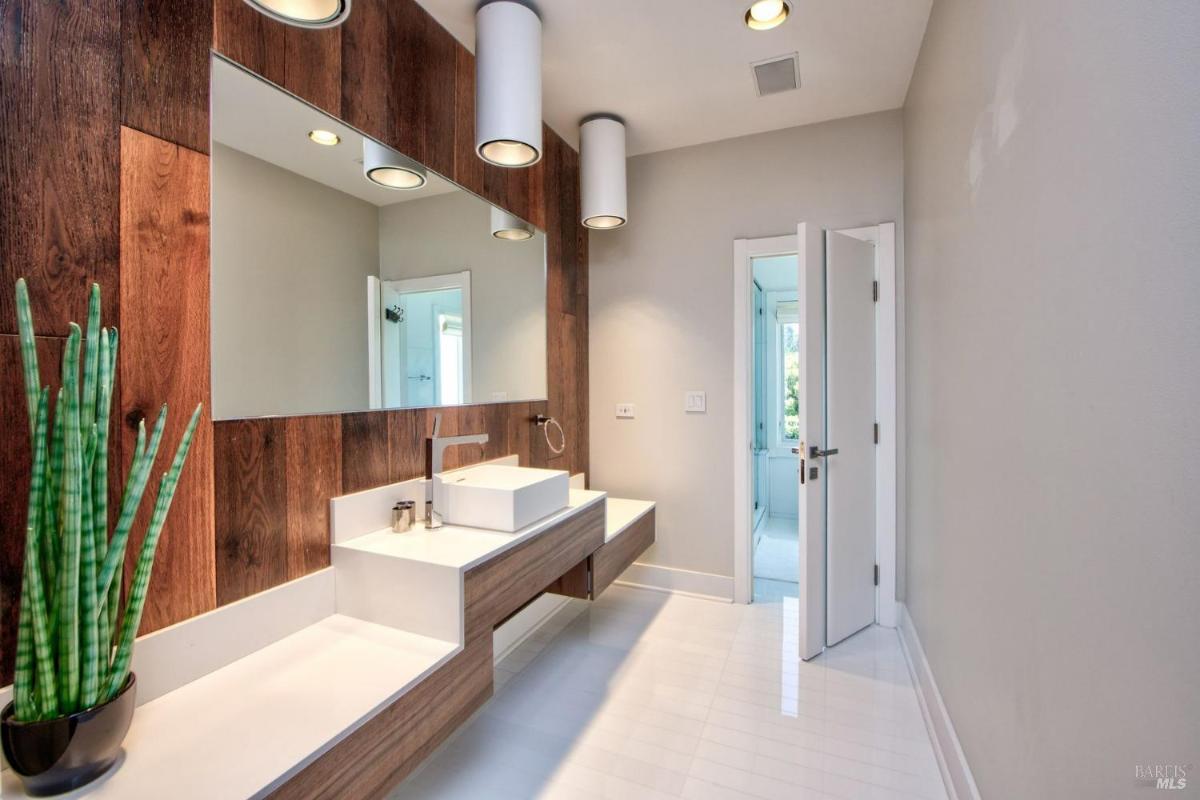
391 649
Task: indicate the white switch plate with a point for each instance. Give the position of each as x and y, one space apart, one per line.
624 410
695 402
499 397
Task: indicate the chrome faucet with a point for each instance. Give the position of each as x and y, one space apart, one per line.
435 450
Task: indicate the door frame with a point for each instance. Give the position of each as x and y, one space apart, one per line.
884 237
432 283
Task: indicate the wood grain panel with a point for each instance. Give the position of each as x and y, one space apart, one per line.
313 66
365 443
377 756
407 430
164 358
59 121
251 506
314 475
574 582
615 557
423 85
15 461
495 589
250 38
164 69
367 66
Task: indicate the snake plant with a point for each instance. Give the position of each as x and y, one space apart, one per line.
74 645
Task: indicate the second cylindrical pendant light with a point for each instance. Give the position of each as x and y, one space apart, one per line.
387 168
508 84
510 226
602 172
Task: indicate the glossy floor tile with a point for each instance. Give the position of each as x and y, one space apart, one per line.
649 695
777 549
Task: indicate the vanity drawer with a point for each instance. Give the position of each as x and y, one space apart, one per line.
494 590
615 556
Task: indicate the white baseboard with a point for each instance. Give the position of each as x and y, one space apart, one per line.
509 636
956 772
680 581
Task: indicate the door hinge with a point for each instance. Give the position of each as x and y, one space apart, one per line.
876 574
875 291
876 433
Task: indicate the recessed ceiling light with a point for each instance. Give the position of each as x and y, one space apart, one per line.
766 14
305 13
327 138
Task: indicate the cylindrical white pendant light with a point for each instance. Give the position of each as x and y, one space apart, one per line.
509 226
508 84
387 168
602 172
304 13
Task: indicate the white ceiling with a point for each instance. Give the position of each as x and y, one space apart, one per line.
678 71
253 116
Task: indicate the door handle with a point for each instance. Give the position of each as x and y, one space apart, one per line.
816 452
795 451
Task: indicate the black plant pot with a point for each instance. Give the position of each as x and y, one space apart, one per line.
58 755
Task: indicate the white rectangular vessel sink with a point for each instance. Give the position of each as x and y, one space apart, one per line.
501 498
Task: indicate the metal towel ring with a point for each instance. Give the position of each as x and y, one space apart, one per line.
544 423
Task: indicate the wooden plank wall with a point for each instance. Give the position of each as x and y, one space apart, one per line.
103 173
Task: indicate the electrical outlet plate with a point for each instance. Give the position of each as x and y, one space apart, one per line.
625 411
695 402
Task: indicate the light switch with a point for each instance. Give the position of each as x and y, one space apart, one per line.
695 403
624 410
499 397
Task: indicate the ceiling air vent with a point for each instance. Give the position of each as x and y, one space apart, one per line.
775 75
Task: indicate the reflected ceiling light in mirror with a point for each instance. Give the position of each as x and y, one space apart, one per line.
387 168
304 13
602 171
324 137
509 226
508 84
766 14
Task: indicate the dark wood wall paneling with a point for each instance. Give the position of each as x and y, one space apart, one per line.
87 201
164 359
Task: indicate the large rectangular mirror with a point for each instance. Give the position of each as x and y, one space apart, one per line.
333 293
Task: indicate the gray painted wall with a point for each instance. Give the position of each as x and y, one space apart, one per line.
1052 202
290 260
661 307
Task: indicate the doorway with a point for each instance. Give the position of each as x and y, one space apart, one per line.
419 336
775 560
839 328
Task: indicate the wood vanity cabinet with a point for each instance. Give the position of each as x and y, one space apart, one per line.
612 558
495 590
591 576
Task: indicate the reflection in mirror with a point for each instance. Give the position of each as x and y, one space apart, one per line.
334 291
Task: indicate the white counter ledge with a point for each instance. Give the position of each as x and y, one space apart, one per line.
622 513
243 730
461 547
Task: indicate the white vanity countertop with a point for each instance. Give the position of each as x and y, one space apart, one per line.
622 513
461 547
242 730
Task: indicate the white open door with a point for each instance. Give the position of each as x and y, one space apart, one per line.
811 304
848 465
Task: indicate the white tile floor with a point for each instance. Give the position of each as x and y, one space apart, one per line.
776 559
649 695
